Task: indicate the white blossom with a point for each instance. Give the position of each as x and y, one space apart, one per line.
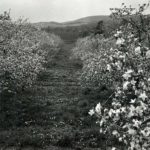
120 41
125 85
98 108
146 132
91 112
133 82
131 131
127 74
118 33
115 132
148 54
108 67
133 101
111 111
138 50
136 122
143 96
118 64
140 71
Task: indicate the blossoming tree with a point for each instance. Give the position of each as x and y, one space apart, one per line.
128 117
94 51
21 53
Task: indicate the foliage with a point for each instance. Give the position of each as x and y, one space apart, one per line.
71 33
99 28
127 118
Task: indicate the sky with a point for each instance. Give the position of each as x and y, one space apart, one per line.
61 10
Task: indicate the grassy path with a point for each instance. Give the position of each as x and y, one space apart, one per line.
68 112
59 116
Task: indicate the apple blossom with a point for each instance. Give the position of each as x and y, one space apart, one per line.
138 50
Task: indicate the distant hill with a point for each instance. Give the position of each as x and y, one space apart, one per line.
87 20
72 30
47 24
78 22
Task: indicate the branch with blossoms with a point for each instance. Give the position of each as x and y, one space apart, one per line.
135 17
127 119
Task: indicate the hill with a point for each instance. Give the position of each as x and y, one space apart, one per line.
47 24
72 30
78 22
88 20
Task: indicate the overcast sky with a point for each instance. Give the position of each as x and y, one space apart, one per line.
61 10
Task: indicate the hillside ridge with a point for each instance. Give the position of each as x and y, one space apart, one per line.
77 22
